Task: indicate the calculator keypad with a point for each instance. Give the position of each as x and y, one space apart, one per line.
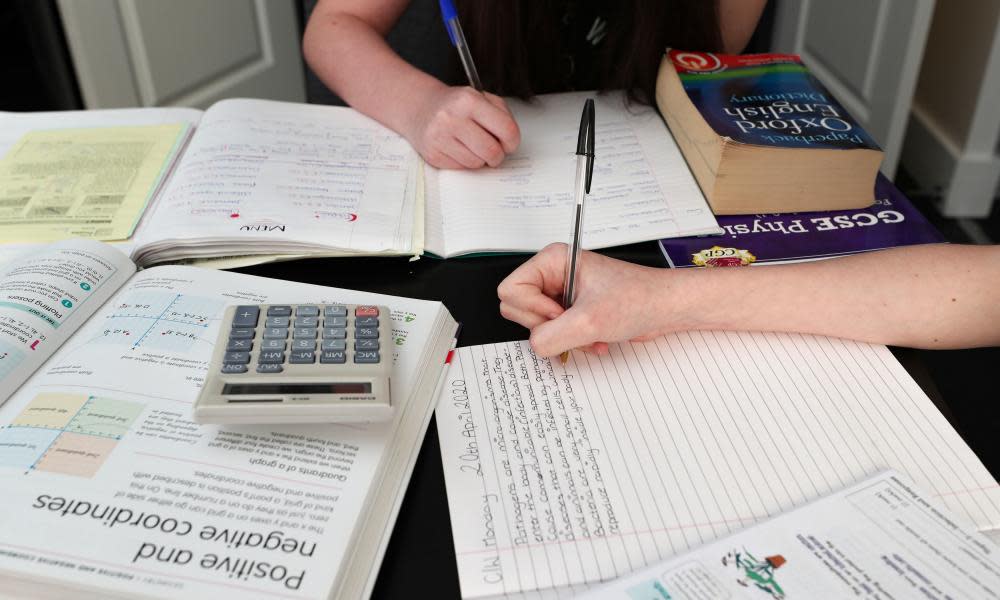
289 336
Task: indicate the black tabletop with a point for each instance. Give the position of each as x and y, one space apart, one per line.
421 553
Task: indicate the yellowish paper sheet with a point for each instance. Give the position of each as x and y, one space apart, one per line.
89 183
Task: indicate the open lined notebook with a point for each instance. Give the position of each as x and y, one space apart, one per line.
265 178
559 477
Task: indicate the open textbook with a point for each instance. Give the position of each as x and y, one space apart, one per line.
261 177
559 477
110 489
881 538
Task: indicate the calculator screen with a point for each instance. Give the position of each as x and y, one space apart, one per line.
239 389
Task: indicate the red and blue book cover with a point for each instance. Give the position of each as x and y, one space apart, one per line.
767 100
792 237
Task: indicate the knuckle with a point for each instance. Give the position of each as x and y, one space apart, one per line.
536 345
439 115
511 132
467 98
504 310
494 153
589 324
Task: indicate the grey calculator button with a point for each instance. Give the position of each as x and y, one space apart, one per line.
241 358
334 345
307 311
246 316
269 368
232 368
334 333
241 333
367 344
272 345
303 345
366 356
366 332
333 357
275 333
307 321
276 322
308 333
336 310
302 357
366 322
238 345
271 356
279 311
335 322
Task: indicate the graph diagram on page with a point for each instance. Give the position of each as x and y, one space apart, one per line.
71 434
160 321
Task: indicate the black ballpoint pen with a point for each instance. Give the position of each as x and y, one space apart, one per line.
584 175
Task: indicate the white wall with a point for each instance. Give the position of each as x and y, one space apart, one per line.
953 138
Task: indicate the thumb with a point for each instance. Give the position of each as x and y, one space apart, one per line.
572 329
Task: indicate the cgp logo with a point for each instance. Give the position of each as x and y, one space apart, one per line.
717 256
701 62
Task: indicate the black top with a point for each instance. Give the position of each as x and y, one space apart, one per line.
420 38
580 43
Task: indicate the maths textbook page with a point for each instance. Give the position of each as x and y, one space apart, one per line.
881 538
260 177
563 476
109 488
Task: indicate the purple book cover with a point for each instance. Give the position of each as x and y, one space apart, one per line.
760 239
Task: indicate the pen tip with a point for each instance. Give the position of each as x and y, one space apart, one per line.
564 357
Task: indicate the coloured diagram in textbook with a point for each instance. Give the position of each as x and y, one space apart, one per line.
161 321
72 434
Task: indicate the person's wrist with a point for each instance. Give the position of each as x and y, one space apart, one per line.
682 300
416 112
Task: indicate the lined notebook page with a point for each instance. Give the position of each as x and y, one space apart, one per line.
280 176
565 475
642 189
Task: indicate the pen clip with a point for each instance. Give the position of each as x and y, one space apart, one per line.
585 141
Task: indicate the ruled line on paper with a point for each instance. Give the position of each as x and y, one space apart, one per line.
742 522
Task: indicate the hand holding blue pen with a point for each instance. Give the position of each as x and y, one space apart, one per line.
458 127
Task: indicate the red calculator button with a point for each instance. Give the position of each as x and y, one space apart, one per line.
366 311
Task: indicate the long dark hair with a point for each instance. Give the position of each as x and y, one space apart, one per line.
515 43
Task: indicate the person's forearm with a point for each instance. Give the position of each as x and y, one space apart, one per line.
352 58
737 22
934 296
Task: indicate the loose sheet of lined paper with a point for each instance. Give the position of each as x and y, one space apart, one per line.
566 475
642 188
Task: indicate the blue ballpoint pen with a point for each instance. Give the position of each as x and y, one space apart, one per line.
450 16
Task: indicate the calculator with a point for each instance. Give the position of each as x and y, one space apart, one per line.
299 363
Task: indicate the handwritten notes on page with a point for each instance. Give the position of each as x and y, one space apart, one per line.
577 474
642 188
92 182
286 178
